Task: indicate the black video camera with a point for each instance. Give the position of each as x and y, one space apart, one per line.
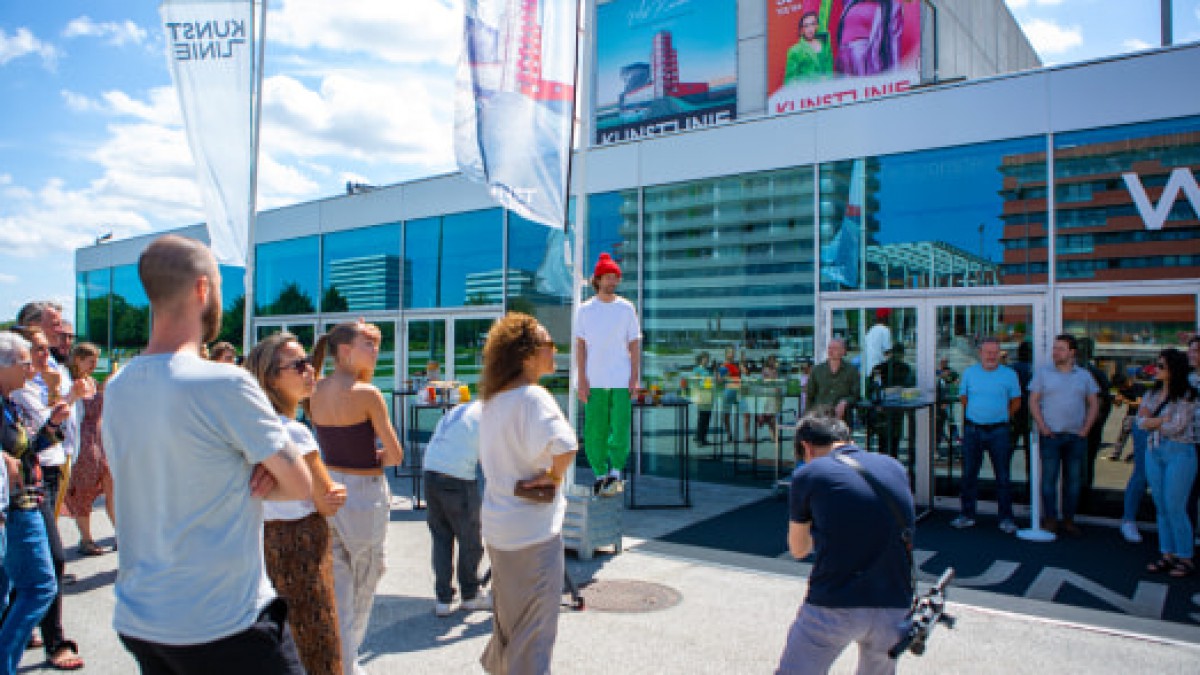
926 613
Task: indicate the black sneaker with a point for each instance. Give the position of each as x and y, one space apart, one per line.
598 486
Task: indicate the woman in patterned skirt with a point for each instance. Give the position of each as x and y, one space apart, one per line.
295 533
89 477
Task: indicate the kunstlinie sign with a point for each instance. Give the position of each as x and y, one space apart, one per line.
200 40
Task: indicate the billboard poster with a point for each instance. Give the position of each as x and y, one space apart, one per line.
664 66
826 52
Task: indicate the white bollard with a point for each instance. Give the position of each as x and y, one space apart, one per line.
1035 531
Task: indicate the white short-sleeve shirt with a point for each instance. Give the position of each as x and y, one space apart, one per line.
521 430
296 509
182 436
607 328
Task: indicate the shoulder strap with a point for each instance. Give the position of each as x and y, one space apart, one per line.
906 532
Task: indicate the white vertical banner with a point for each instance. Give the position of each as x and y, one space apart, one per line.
515 103
212 54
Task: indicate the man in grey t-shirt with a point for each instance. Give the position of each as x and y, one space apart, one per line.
192 446
1064 403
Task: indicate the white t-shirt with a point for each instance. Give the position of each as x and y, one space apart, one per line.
34 399
182 437
519 433
303 439
607 328
877 342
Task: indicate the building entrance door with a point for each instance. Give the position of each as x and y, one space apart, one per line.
933 340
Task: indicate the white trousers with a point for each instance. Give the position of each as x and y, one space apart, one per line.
359 558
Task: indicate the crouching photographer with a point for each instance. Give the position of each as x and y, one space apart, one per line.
847 506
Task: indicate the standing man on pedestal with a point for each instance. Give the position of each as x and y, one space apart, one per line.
608 344
990 394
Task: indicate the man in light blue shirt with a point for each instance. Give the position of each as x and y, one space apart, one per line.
990 393
193 445
452 493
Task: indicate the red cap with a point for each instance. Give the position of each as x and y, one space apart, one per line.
882 314
605 265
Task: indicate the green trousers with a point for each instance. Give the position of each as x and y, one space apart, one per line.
606 430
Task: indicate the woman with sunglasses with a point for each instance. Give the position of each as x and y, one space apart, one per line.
351 420
1167 414
90 475
295 533
525 447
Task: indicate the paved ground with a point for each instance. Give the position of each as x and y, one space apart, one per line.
731 619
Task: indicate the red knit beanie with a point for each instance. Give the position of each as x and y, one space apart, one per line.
605 265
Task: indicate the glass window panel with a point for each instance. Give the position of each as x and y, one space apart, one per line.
360 269
728 266
261 331
1103 235
286 277
91 308
613 229
539 284
233 304
426 342
469 336
1123 336
305 333
965 216
130 313
422 255
472 258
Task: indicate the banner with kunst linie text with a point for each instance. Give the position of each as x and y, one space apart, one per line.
829 52
515 103
211 53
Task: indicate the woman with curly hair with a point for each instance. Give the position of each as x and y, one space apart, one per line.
525 446
295 533
90 476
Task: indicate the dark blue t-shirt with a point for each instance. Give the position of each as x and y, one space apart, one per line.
859 556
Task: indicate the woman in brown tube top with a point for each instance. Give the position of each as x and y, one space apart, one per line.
349 415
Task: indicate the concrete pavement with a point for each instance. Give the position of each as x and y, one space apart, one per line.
731 620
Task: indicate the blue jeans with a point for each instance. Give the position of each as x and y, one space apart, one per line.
1065 451
1136 487
1170 469
998 444
28 574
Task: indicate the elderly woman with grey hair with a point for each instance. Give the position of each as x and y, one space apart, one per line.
28 566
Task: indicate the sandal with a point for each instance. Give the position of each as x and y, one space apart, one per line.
65 656
1183 568
35 641
91 548
1163 564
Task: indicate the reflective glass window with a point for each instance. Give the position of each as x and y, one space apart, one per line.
1127 206
233 304
964 216
130 312
91 307
539 284
613 229
422 255
285 279
472 258
360 269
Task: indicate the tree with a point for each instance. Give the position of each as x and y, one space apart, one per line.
291 300
233 322
333 301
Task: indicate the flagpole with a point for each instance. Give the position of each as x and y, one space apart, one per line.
582 70
259 30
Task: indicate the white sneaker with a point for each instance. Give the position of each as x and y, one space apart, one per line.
443 609
1007 526
962 522
1129 530
479 603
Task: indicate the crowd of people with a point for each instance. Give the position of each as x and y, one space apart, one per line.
252 508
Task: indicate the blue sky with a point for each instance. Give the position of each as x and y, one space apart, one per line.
91 140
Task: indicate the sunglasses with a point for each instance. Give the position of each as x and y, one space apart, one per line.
299 365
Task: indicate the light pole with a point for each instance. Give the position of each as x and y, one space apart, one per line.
107 236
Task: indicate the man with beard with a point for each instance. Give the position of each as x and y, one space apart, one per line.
608 343
193 445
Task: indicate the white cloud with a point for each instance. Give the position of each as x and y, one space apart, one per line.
397 32
1049 38
5 179
116 33
1135 45
8 278
396 120
24 43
